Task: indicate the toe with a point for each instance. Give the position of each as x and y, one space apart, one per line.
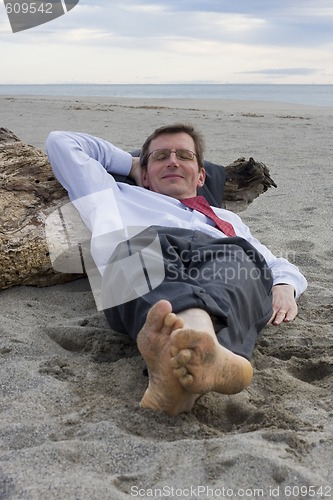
184 356
180 372
170 319
174 350
183 338
181 358
186 380
156 315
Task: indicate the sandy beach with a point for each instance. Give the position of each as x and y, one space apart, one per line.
71 426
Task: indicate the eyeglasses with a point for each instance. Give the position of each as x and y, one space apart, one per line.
164 154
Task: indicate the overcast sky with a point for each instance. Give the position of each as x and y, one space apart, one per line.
174 41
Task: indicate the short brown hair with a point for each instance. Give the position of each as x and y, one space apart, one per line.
177 128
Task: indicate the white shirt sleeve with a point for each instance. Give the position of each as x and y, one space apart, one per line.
82 162
283 271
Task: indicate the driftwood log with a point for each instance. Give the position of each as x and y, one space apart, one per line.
245 181
29 193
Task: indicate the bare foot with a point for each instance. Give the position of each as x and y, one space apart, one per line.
203 365
165 391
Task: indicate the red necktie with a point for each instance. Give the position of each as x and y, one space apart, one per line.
200 204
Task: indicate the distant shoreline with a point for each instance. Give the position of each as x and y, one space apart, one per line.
304 94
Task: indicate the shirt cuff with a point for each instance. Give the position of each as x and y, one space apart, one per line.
277 284
121 162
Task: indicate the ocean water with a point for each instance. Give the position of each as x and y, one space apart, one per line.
314 95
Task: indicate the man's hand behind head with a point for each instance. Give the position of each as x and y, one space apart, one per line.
135 172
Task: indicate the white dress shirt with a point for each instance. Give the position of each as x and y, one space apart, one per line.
83 164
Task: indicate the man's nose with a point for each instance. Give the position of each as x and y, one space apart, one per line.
173 160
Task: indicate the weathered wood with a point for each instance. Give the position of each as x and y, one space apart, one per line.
29 193
245 181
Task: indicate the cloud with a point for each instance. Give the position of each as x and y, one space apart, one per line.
216 40
283 71
279 23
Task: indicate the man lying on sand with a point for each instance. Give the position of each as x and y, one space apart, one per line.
197 329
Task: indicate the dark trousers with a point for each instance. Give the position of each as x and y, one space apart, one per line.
226 277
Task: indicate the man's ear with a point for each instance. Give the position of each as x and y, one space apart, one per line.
144 178
201 178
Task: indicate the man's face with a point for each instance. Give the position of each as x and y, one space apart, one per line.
173 176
